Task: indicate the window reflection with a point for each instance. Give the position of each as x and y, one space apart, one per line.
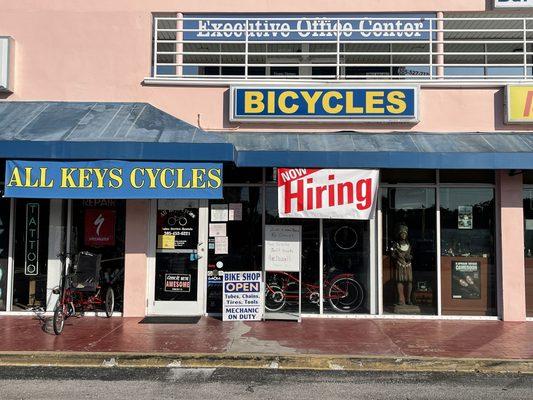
528 246
409 247
468 272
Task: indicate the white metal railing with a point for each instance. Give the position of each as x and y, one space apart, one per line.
459 48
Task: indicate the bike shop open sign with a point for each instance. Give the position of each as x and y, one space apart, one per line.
243 296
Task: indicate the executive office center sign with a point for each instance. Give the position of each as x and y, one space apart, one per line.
327 193
326 103
519 104
307 27
513 3
110 179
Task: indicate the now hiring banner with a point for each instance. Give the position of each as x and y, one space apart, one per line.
327 193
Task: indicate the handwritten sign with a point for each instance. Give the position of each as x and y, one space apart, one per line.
283 248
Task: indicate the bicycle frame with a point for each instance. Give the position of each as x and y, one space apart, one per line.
288 279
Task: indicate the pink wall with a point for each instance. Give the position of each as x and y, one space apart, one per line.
135 271
512 290
74 50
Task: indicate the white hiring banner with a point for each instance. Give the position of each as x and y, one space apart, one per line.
327 193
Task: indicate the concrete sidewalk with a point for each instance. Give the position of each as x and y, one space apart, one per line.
355 344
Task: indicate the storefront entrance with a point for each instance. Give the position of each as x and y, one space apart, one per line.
177 270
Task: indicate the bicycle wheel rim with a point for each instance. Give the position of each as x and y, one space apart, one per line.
354 292
271 304
109 302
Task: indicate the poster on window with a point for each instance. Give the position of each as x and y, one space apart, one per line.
466 281
177 229
100 227
465 218
178 283
327 193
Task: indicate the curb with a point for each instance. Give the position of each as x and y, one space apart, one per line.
264 361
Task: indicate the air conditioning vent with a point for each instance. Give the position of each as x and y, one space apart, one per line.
7 64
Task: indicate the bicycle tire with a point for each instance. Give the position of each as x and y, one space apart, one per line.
347 246
351 306
58 321
271 304
109 302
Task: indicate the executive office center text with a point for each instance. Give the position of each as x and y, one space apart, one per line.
270 160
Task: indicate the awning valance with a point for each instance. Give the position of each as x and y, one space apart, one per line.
139 131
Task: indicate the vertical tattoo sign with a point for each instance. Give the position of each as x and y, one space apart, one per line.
31 258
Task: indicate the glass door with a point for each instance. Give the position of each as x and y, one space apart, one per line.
179 268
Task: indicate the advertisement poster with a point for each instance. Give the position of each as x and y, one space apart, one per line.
219 212
178 283
327 193
177 229
216 230
465 217
99 227
466 281
221 245
235 211
242 296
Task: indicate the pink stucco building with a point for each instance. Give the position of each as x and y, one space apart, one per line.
182 116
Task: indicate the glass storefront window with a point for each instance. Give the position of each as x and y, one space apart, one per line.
346 266
310 274
528 248
233 174
244 232
176 261
466 176
98 227
30 254
395 176
4 245
409 251
468 273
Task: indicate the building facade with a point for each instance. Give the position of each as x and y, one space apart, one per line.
227 121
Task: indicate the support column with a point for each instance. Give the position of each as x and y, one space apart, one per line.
179 44
56 243
440 45
136 257
511 276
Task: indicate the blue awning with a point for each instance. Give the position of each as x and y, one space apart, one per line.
93 131
139 131
385 150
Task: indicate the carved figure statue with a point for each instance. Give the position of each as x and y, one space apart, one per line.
403 270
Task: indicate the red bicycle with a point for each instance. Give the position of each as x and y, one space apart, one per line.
342 291
81 291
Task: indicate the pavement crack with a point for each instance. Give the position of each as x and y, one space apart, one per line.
92 344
